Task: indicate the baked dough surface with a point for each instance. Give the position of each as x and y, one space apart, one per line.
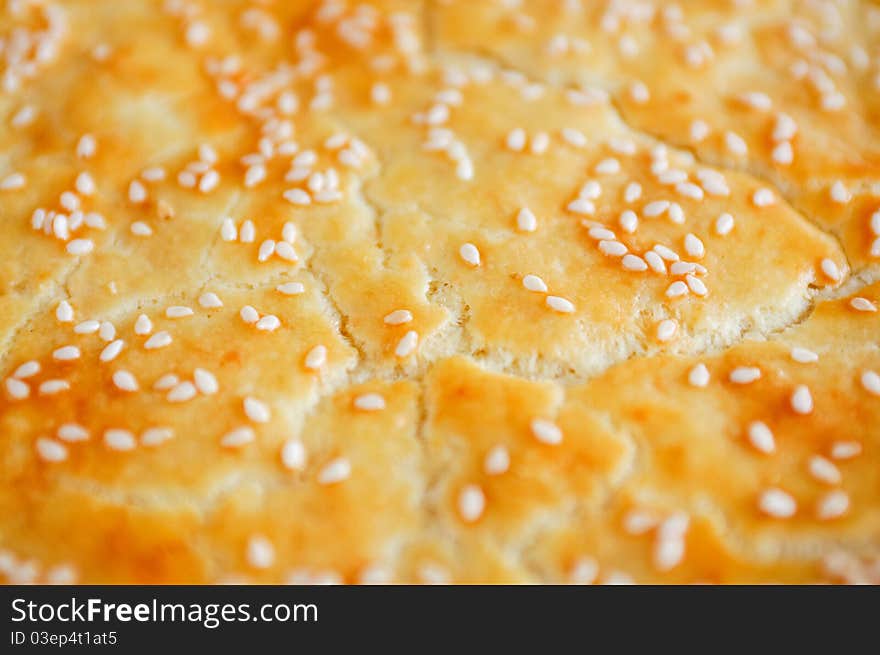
450 291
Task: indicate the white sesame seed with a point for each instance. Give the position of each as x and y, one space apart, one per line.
335 471
66 353
655 262
117 439
260 552
228 231
471 503
238 437
763 198
803 356
86 146
599 233
50 387
862 305
158 340
50 450
699 130
398 317
669 545
655 208
72 432
824 470
785 128
761 437
297 197
470 254
87 327
735 144
380 93
293 455
209 181
107 331
632 192
156 436
802 400
677 289
875 222
832 505
137 192
178 311
581 206
369 402
143 325
609 166
497 461
871 382
125 381
205 382
407 344
639 92
526 221
666 329
745 374
267 249
13 182
80 246
783 153
210 300
516 140
26 370
638 522
111 350
291 288
845 449
628 220
285 251
64 312
831 270
268 323
249 314
696 285
141 229
698 376
612 248
256 410
316 357
632 262
839 193
693 246
17 389
167 381
546 431
777 503
559 304
182 392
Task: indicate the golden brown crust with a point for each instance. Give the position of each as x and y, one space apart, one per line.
438 292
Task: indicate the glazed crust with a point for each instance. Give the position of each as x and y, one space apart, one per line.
430 292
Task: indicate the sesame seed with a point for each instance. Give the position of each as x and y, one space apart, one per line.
669 545
471 503
26 370
632 192
167 381
398 317
210 300
628 220
228 232
297 197
655 208
291 288
80 246
581 206
534 283
832 505
13 182
182 392
735 144
72 432
316 357
107 331
285 251
249 314
380 94
268 323
470 254
50 387
761 437
803 356
267 249
141 229
677 289
111 350
763 198
516 140
839 193
698 376
785 128
260 552
745 374
637 522
526 221
64 312
205 382
632 262
655 262
156 436
777 503
137 192
824 470
875 222
693 246
256 410
862 305
17 389
238 437
369 402
639 92
407 344
209 181
158 340
143 325
666 329
293 455
871 382
66 353
86 146
117 439
609 166
546 431
125 381
831 270
845 449
178 311
559 304
696 285
87 327
599 233
802 400
497 461
783 153
337 470
699 130
612 248
50 450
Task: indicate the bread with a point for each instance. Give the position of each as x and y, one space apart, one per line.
474 292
